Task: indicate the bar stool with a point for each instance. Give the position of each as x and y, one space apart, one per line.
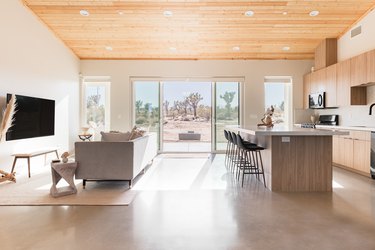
237 156
252 160
227 148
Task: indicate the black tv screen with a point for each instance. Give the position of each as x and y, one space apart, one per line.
34 117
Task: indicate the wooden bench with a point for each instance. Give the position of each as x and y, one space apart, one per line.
33 154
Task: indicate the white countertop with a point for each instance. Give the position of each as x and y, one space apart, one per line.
361 128
279 130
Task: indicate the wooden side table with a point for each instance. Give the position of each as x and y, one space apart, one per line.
65 171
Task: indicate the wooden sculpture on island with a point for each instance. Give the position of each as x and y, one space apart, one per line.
267 119
6 124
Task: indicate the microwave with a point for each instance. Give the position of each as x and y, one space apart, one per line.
317 100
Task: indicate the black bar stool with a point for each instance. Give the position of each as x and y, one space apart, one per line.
251 160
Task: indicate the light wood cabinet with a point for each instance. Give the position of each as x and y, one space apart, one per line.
361 155
317 81
358 70
306 90
330 86
343 83
326 53
371 66
353 151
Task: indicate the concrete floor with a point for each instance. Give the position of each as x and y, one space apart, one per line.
195 204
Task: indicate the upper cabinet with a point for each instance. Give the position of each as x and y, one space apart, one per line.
326 53
306 90
343 83
370 66
330 86
358 70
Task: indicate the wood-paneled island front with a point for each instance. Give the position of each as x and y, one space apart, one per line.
295 159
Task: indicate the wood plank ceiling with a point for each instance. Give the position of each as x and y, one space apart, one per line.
197 29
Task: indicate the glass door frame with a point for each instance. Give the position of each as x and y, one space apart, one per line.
212 80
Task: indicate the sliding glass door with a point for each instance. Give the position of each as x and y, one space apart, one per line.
188 116
146 105
227 110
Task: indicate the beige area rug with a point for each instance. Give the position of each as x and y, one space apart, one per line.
35 191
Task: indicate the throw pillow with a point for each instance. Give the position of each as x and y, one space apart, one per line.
115 137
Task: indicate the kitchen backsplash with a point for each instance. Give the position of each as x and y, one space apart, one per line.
357 115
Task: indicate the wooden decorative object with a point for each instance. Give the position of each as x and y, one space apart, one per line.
267 119
64 157
4 176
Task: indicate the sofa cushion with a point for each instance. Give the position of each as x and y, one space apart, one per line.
115 137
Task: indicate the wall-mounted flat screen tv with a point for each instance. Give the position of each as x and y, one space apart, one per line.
34 117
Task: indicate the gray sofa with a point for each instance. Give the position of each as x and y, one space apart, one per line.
101 160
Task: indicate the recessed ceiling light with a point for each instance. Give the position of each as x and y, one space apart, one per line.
249 13
285 13
236 48
314 13
120 12
84 12
109 48
168 13
286 48
173 49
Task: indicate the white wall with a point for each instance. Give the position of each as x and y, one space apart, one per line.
349 47
254 72
34 62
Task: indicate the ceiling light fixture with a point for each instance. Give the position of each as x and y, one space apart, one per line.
84 12
173 49
120 12
314 13
236 48
109 48
285 13
249 13
286 48
168 13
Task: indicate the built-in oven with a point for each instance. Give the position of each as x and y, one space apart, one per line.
372 166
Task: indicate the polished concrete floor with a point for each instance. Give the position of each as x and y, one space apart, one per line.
193 203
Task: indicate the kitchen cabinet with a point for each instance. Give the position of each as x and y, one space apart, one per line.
330 86
358 70
343 83
371 66
306 90
317 81
361 155
326 53
353 151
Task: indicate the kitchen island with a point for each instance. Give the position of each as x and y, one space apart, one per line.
295 159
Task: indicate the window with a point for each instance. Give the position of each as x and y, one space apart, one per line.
96 104
278 93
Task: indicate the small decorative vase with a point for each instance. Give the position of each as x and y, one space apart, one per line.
64 160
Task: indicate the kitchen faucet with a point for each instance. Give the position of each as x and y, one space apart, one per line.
372 105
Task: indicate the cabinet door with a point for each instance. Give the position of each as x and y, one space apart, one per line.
317 81
361 155
330 86
358 70
306 90
371 66
343 83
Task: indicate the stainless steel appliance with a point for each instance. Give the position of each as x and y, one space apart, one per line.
317 100
372 166
332 120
